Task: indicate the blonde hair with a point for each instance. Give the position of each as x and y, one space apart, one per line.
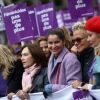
79 25
6 60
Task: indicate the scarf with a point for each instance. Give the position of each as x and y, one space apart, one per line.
28 77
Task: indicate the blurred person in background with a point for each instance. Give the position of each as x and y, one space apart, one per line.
11 70
42 42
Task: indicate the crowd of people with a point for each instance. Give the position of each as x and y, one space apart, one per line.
53 62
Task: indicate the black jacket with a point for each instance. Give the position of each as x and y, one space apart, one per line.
86 58
15 78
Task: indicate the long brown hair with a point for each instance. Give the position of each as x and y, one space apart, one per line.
37 54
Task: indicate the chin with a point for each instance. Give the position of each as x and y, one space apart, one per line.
80 50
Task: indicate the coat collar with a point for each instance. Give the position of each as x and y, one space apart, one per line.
60 56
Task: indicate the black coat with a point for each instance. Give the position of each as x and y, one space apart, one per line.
15 78
86 59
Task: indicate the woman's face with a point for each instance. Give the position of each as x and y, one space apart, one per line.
55 44
44 46
80 40
93 39
27 58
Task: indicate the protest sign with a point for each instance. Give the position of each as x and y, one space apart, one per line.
17 23
68 93
81 8
45 18
59 17
32 16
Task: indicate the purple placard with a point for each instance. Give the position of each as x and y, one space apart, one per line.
17 23
32 15
68 20
46 18
81 8
59 17
81 95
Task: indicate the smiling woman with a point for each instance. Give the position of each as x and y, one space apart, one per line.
63 66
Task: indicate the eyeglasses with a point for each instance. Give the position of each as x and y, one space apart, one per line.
78 40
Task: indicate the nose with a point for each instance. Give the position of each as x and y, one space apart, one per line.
53 45
44 49
21 57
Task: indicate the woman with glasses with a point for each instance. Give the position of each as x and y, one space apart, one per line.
93 31
82 49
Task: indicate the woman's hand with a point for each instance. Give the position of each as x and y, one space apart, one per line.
22 95
9 96
74 49
76 84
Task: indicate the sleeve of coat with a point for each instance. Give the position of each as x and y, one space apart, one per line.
72 68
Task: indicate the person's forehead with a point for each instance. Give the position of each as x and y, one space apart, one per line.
25 50
43 42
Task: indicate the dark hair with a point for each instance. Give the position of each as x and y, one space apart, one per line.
64 35
41 38
37 54
57 31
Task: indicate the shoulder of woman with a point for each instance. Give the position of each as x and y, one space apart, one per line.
70 55
44 71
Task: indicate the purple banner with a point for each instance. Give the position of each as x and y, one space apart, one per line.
17 23
46 18
81 8
32 16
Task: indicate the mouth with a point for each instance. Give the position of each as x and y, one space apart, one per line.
24 63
